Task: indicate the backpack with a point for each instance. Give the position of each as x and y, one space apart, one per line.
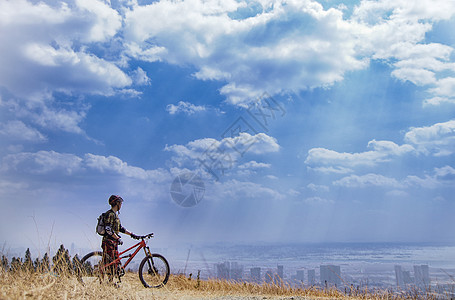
100 226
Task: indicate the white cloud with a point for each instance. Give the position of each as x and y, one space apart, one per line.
317 187
236 190
253 54
444 176
254 165
325 160
395 31
42 162
367 180
116 165
446 173
39 56
436 101
414 75
428 182
17 130
223 154
66 165
335 170
106 21
47 114
184 107
437 139
140 77
317 201
445 87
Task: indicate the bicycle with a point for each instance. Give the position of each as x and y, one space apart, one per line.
153 270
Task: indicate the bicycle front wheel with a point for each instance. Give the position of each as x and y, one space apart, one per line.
154 271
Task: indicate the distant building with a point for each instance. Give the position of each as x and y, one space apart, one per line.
236 271
256 274
421 276
300 275
280 272
407 279
279 276
330 275
223 270
399 276
311 277
268 276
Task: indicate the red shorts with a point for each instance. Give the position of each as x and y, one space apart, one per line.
110 248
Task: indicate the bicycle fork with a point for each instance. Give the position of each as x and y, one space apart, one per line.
152 270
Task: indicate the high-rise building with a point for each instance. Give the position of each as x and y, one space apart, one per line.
229 271
399 276
407 277
421 276
223 270
311 277
300 276
256 274
330 275
268 276
280 274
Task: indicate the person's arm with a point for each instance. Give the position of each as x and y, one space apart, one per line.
123 230
110 221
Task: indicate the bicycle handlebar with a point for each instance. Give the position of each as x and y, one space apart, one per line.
141 237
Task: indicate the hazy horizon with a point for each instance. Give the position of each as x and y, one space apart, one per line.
234 121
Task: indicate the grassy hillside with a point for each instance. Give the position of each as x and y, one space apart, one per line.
47 285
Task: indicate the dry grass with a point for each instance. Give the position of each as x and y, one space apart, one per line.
36 285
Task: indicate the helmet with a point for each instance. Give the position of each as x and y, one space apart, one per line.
114 199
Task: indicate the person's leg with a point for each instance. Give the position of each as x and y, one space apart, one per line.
110 253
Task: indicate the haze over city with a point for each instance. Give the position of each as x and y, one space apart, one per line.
331 121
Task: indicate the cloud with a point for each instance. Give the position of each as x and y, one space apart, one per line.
105 21
440 177
325 160
217 157
254 165
68 165
437 139
140 77
47 114
227 150
271 51
235 190
42 48
355 181
184 107
42 162
115 165
335 170
17 130
317 201
317 187
395 31
436 101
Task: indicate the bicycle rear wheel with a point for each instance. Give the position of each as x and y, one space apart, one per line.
154 271
92 267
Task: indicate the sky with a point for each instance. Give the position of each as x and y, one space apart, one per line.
297 121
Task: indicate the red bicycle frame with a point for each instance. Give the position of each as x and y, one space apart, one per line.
140 245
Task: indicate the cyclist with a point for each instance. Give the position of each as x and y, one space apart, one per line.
113 227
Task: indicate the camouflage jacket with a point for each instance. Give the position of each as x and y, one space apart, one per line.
112 225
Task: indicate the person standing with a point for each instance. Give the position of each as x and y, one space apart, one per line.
111 238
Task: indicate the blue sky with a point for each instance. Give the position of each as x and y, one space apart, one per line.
120 97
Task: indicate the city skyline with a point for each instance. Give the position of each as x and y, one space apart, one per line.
272 121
